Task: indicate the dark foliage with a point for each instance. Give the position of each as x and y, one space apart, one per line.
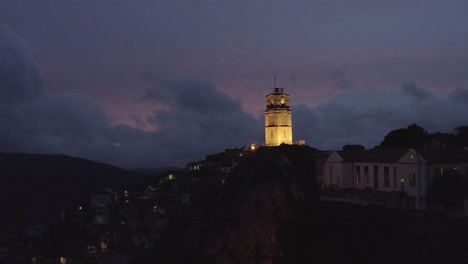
448 189
353 147
413 136
461 136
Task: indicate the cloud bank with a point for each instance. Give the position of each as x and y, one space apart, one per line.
198 119
194 118
365 117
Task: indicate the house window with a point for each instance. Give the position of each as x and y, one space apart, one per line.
412 179
331 175
376 177
386 176
366 174
394 177
358 174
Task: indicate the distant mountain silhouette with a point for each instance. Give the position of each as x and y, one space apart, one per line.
36 187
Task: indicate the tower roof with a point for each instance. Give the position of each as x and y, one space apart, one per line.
278 91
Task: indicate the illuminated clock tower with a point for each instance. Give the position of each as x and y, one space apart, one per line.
278 119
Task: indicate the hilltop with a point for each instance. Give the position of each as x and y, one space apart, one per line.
36 187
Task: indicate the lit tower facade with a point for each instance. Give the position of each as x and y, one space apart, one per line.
278 119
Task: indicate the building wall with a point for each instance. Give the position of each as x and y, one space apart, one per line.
348 176
276 135
338 173
411 174
333 174
396 182
278 120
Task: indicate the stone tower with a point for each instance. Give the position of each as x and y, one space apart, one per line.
278 119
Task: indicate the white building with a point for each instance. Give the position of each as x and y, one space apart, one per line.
393 170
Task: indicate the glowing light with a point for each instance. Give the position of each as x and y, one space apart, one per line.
253 147
171 177
80 208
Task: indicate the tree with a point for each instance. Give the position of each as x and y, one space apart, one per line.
448 189
353 147
413 136
461 136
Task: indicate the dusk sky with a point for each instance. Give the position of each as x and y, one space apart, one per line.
147 83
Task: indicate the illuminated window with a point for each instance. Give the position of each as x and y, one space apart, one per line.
282 100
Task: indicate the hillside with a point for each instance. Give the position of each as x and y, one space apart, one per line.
268 211
35 187
264 210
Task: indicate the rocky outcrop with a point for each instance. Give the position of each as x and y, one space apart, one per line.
264 214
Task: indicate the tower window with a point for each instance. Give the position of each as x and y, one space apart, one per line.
271 134
284 133
282 100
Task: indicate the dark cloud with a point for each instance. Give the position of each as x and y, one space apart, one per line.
411 89
364 117
197 119
200 115
460 96
192 95
338 79
99 48
20 78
